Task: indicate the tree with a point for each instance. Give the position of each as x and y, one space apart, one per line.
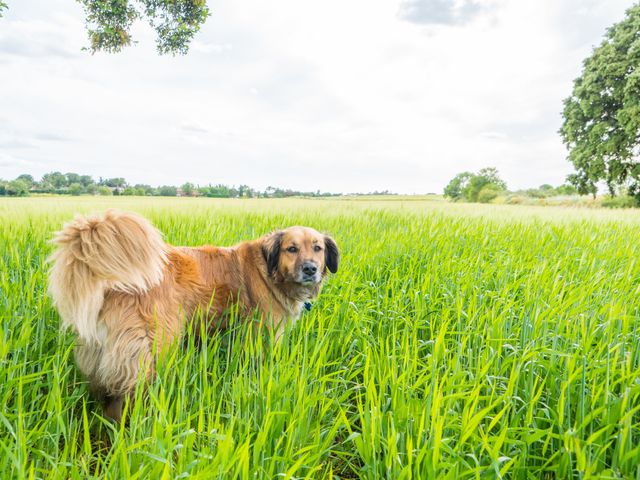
27 179
566 189
167 191
17 188
75 189
601 127
143 189
117 182
175 22
187 189
54 180
3 6
456 187
245 191
218 191
468 186
86 180
72 178
485 177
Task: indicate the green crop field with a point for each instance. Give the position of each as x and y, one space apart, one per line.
456 341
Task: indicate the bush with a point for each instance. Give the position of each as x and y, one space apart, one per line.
486 177
167 191
104 191
623 201
566 189
75 189
467 186
488 193
538 193
17 188
187 189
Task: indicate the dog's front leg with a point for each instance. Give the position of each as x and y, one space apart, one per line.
113 407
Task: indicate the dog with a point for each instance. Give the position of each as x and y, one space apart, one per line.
127 294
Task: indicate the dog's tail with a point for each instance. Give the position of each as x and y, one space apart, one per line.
118 251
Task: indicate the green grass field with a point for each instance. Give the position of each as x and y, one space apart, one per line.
456 341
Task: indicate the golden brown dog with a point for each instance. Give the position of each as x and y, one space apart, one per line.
127 293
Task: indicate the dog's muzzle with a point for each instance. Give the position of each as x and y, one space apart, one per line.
309 273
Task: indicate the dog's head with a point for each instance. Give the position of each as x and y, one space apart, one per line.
300 255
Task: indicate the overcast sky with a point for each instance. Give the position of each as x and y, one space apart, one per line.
345 95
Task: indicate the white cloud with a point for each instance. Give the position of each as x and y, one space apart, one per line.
341 96
38 39
441 12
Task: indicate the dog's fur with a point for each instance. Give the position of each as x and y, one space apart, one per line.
128 294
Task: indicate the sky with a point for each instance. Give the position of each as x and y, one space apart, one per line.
341 96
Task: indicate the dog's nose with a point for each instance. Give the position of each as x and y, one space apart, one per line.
309 268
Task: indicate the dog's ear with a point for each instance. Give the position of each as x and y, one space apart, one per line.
271 250
331 254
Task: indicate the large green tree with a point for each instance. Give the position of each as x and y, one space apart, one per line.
601 125
109 22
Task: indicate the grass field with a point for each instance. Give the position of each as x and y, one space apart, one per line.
456 341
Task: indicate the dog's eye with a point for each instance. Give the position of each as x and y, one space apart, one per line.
292 249
317 248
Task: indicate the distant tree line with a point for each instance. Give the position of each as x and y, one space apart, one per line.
486 185
75 184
